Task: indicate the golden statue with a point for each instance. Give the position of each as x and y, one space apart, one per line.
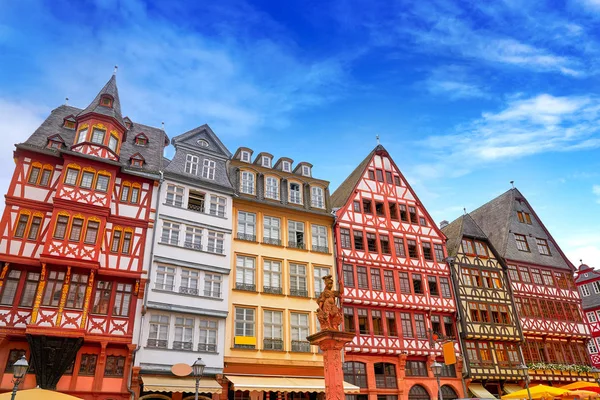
330 313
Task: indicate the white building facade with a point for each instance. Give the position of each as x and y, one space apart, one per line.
186 300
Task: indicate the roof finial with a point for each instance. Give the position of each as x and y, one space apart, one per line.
66 101
465 210
513 184
163 125
115 70
581 261
377 137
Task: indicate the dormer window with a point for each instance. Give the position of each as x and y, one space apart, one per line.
113 142
69 124
127 122
245 156
295 193
141 140
82 135
305 170
55 142
137 160
98 136
202 143
286 166
106 101
266 162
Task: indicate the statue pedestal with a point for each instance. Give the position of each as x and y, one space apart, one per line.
332 344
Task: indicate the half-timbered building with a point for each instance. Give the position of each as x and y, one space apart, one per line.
545 294
488 326
72 243
397 295
588 282
187 298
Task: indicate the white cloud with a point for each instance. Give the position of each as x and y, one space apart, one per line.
454 82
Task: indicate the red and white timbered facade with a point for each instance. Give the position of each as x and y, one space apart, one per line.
588 283
397 297
72 245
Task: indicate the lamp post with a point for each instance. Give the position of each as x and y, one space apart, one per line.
198 370
20 368
525 370
596 374
436 368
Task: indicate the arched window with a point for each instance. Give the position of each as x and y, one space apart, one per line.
448 393
385 375
418 392
272 187
355 373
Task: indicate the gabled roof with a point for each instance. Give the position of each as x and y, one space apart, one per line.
205 132
57 138
463 226
499 221
95 107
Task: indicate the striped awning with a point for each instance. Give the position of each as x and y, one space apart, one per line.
283 384
480 392
157 383
511 388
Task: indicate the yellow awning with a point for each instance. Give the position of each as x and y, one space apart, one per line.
579 385
37 394
479 391
176 384
283 384
511 388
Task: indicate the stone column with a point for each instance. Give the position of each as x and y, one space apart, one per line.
332 344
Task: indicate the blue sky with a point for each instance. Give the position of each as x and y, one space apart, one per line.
466 96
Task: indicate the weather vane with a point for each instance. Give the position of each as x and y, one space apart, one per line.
377 137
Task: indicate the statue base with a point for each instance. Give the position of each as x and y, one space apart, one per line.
332 344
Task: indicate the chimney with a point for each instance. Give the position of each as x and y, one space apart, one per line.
443 224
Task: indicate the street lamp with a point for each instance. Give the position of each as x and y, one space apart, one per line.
20 368
198 370
596 374
436 368
525 370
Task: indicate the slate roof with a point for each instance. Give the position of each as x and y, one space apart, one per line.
585 276
463 226
341 194
115 111
499 221
152 153
187 143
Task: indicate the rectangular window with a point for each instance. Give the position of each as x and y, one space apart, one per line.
375 279
246 226
217 205
403 213
416 368
208 336
433 286
366 203
319 238
345 238
449 327
112 143
76 228
87 178
34 175
399 247
585 291
417 284
379 209
348 274
361 273
379 175
165 278
317 197
537 276
445 288
98 136
427 254
439 253
521 241
356 206
349 325
34 229
371 174
61 227
245 273
298 280
87 365
174 195
21 225
296 234
216 242
91 232
208 169
53 290
271 231
318 274
468 246
363 322
158 335
407 329
125 192
372 242
272 276
272 188
393 211
191 164
542 245
388 177
412 249
390 318
273 330
412 212
524 217
76 292
299 332
102 184
189 282
295 193
358 241
377 322
184 330
388 278
524 274
212 285
420 326
10 287
436 325
71 176
404 283
193 238
170 233
244 322
384 242
481 249
196 201
31 285
122 300
547 276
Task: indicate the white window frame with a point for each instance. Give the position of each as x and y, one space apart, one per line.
317 197
162 281
212 285
591 316
271 230
191 164
82 135
272 187
113 142
305 170
318 274
170 232
319 236
295 197
295 227
273 324
245 322
188 282
299 328
298 277
266 161
245 156
272 274
245 270
94 130
193 238
208 334
216 242
596 286
286 166
585 291
174 196
184 332
247 182
159 328
246 225
208 169
217 205
593 346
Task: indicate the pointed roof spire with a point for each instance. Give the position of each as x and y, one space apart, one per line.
110 90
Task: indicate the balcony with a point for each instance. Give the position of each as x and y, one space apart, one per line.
274 242
272 289
207 347
299 292
192 245
182 345
321 249
300 346
246 237
157 343
245 286
272 344
196 207
296 245
188 290
196 201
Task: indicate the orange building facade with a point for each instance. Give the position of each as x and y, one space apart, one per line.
72 246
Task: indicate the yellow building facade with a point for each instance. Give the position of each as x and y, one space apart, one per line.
282 248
